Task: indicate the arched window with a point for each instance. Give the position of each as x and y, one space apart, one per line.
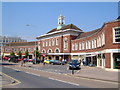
43 51
57 51
65 44
49 51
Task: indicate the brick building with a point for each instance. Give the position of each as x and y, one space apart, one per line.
20 46
99 47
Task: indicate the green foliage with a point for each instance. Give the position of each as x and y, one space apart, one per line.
19 54
36 53
26 53
12 53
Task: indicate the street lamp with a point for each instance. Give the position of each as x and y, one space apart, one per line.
35 52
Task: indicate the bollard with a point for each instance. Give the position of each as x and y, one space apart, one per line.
13 81
72 71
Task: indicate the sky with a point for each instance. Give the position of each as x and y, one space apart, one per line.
31 19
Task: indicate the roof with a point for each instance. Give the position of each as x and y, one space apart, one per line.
118 17
69 26
20 44
85 34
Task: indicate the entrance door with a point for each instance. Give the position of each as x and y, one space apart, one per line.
116 61
50 57
57 57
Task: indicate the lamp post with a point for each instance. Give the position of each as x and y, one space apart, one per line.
35 52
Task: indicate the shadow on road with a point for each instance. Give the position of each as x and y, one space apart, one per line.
7 64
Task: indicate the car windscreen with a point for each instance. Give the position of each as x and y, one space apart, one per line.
74 62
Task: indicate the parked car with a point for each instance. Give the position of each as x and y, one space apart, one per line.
51 61
74 64
56 62
64 62
46 61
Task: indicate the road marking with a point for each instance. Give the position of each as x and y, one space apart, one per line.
70 76
18 82
33 74
64 81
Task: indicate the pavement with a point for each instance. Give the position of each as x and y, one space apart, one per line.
98 74
6 80
90 73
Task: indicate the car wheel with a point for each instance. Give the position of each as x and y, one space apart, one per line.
69 68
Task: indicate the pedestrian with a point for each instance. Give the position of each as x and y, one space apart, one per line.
9 59
22 62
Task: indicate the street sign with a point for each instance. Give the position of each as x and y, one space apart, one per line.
44 55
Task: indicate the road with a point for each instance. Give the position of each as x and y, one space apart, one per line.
38 78
33 81
61 69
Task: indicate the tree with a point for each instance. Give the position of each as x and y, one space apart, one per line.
20 54
12 53
26 53
36 53
12 56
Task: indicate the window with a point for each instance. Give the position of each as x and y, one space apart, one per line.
53 42
76 46
49 51
46 43
73 46
87 45
56 41
57 51
49 42
116 35
7 49
80 46
83 46
99 41
65 44
94 41
103 39
43 51
43 44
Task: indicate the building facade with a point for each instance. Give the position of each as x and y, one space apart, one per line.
20 46
100 47
4 40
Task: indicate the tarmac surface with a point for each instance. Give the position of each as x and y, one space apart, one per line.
85 72
95 73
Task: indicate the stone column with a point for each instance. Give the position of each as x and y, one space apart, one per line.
112 60
97 61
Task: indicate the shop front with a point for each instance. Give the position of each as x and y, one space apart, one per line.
116 57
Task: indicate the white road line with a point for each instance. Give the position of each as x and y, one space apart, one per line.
32 73
64 81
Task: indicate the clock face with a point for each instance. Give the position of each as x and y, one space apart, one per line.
59 27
